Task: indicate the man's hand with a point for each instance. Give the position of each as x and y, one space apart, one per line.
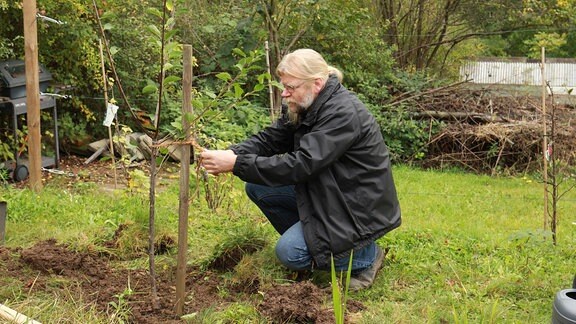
218 161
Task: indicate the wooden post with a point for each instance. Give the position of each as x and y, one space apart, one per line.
3 215
184 182
32 95
545 140
270 89
111 148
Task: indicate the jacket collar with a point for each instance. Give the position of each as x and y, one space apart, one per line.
332 84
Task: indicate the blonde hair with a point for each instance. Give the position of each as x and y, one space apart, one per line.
306 64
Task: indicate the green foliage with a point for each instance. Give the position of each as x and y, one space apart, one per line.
6 51
67 50
339 293
6 151
526 26
553 42
218 28
406 137
4 175
233 125
365 59
232 313
120 311
134 40
70 131
227 114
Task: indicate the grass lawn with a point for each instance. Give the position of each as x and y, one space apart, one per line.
471 248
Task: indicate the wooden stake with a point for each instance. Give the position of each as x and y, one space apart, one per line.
270 89
545 141
3 214
32 95
184 183
15 317
106 101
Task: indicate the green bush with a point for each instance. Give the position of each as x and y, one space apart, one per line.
406 137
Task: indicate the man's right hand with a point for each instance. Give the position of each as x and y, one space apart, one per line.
218 161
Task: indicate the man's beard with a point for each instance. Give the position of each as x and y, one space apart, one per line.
295 109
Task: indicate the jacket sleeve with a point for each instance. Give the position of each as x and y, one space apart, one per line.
328 139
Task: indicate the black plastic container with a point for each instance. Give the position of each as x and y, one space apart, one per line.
564 310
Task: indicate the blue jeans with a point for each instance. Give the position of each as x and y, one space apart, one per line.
279 205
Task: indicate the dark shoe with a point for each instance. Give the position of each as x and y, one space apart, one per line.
365 279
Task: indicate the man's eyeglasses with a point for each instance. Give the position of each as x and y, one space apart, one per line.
291 88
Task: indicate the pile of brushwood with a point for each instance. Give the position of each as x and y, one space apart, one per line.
489 132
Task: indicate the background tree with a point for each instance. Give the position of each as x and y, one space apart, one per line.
426 34
519 28
286 22
423 32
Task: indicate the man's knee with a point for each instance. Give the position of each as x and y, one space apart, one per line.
291 256
251 190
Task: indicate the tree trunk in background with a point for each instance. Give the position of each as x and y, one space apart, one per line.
423 31
277 15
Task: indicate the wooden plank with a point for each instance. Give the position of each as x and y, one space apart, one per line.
15 317
99 152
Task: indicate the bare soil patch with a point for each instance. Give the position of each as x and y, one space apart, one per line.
96 278
72 170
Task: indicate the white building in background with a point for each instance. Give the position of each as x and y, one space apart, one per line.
560 74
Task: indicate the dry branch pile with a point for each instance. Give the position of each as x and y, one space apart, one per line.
487 133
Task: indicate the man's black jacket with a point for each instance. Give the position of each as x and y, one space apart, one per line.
340 166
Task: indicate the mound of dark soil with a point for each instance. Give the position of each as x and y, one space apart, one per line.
94 279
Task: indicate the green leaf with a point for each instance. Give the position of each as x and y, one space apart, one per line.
277 84
169 5
335 292
262 77
259 87
108 15
239 52
154 11
154 30
170 23
172 79
224 76
168 66
238 91
197 103
160 159
210 94
108 26
170 34
149 89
